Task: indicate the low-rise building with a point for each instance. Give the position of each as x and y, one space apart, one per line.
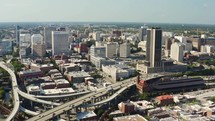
51 85
130 118
126 107
164 100
30 74
34 90
119 71
86 116
76 76
62 83
99 61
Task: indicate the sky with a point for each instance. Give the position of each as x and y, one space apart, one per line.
153 11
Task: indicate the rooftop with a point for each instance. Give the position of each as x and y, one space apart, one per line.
57 91
78 74
130 118
84 115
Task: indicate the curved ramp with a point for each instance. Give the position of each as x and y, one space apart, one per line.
110 98
29 112
14 89
32 98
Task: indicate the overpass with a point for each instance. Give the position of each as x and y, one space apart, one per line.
32 98
110 98
16 102
79 101
29 112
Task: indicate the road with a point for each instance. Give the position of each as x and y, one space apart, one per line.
74 103
14 89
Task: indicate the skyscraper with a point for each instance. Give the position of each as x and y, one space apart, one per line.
143 33
48 36
154 47
60 42
17 36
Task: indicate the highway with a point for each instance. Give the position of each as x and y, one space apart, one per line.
32 98
14 89
29 112
110 98
59 96
74 103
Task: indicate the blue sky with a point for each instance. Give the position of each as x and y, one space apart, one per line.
159 11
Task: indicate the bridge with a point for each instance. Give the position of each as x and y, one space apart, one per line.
14 89
88 96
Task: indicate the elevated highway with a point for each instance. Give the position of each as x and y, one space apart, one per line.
16 102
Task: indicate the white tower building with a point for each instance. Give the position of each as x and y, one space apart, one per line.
177 51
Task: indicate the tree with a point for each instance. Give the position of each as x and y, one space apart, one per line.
2 93
90 43
16 53
144 96
100 112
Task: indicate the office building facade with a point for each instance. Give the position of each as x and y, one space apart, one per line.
154 47
60 43
48 36
125 50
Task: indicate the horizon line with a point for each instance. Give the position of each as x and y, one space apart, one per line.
104 22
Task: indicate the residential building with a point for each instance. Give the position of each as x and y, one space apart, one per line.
60 43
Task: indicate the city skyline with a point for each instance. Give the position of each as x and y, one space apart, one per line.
159 11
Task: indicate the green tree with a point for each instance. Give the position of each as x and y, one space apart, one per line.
100 112
2 93
144 96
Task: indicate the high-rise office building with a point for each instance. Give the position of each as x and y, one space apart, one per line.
24 38
99 51
60 42
124 51
36 39
37 45
111 49
96 36
154 47
17 36
143 33
177 51
38 50
48 36
6 46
